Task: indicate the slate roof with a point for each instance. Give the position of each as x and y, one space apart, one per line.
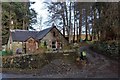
42 33
23 35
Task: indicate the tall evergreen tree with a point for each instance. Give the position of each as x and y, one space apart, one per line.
16 15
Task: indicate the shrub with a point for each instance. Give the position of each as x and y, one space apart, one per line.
110 48
6 53
26 61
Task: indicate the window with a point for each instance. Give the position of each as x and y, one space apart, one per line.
53 44
45 43
53 34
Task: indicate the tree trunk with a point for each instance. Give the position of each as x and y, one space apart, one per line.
10 26
0 26
80 24
90 36
70 25
66 26
26 16
77 33
93 24
23 24
98 35
86 26
74 25
63 17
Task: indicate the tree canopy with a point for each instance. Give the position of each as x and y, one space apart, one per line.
99 20
16 15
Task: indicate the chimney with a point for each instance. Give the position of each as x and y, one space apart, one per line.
53 25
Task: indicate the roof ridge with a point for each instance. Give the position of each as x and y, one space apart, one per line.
22 35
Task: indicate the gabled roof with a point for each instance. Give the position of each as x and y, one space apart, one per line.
42 33
23 35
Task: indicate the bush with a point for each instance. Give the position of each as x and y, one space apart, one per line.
107 48
10 52
24 62
6 53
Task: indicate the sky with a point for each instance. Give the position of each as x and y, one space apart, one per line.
41 10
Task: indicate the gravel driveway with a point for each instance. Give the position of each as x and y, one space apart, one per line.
98 66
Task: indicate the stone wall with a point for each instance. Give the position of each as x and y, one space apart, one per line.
31 45
15 46
58 37
28 61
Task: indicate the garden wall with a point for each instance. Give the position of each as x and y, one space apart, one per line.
28 61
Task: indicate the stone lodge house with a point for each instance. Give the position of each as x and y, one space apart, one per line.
29 41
